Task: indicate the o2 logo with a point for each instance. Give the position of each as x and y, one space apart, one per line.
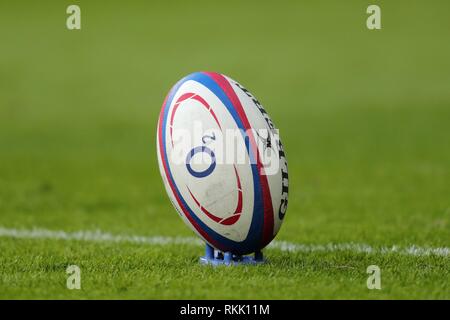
207 171
204 150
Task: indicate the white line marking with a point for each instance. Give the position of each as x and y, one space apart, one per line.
100 236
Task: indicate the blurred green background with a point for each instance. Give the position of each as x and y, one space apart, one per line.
364 114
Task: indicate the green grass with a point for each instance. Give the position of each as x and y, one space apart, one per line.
364 117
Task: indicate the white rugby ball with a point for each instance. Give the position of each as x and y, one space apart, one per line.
222 163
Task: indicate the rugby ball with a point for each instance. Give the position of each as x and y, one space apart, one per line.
222 163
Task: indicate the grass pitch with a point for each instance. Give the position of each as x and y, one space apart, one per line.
364 117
